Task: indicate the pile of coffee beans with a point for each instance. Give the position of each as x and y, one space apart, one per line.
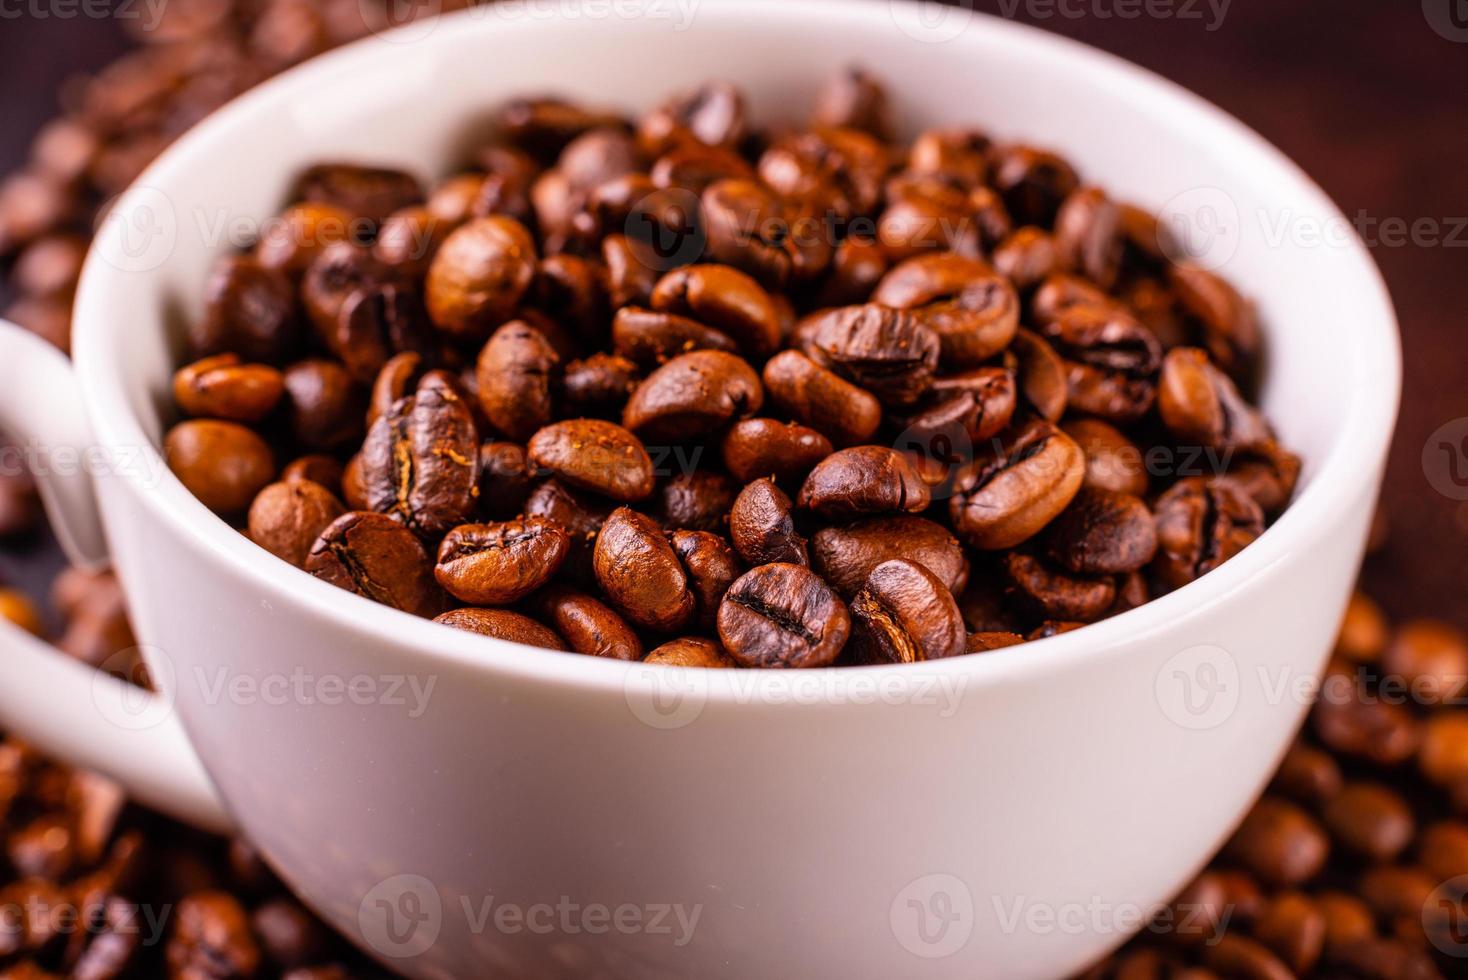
679 388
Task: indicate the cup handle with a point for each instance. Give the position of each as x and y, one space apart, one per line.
67 709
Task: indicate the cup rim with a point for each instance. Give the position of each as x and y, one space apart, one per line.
1360 445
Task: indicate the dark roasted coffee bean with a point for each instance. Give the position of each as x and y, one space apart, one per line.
409 239
1102 533
696 500
1013 489
712 114
479 276
594 455
1234 955
517 374
337 273
369 192
819 398
649 338
1200 525
954 154
289 935
502 624
1112 360
303 231
1230 327
1308 776
1062 291
1048 591
378 558
599 386
376 323
1201 407
1369 820
692 651
926 214
887 352
961 411
1027 257
249 310
640 572
1034 183
1356 724
1269 473
588 625
861 481
543 127
783 451
221 387
725 299
504 479
750 229
712 567
991 640
783 615
1293 928
856 267
692 396
1043 379
1279 843
762 528
224 464
1113 462
853 99
212 938
497 564
840 170
1088 236
904 614
397 380
420 461
974 311
632 271
324 406
844 556
693 167
287 517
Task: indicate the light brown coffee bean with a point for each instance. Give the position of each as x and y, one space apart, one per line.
224 464
727 300
862 481
692 396
594 455
286 518
1370 820
640 572
479 275
1102 533
782 451
818 398
692 651
845 555
517 374
1279 843
223 388
499 564
502 624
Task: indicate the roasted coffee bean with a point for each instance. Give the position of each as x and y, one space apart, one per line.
692 651
1370 820
212 938
396 380
249 310
1279 843
1293 928
287 517
498 564
1102 533
1356 725
1267 472
582 515
517 374
378 558
1034 183
594 455
1043 378
1049 592
889 353
692 396
1088 236
974 311
420 461
1200 525
1200 405
725 299
632 271
1443 756
854 99
1012 490
762 527
693 167
1027 257
862 481
409 239
904 614
783 615
697 500
712 114
289 935
1060 292
1230 327
375 323
819 398
783 451
224 464
504 479
1234 955
1431 659
1308 776
221 387
369 192
588 625
479 276
960 412
844 556
954 154
324 406
712 567
1113 462
303 232
316 467
857 265
991 640
649 338
640 572
599 386
339 272
502 624
543 127
1112 362
50 266
926 214
750 229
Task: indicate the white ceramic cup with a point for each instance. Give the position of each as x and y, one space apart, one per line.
461 806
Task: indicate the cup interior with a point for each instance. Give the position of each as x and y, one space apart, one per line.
423 99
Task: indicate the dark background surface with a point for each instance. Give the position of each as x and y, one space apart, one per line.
1367 95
